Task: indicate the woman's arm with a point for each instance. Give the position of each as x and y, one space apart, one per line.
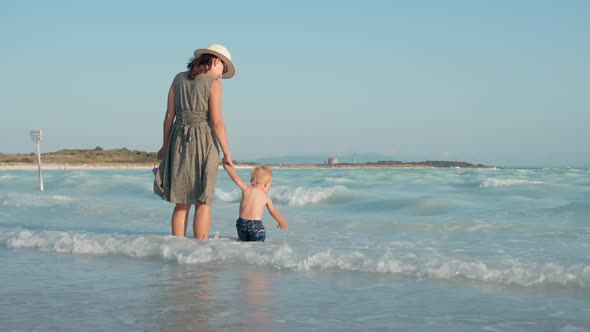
168 120
217 121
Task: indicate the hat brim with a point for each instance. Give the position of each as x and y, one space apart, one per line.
231 69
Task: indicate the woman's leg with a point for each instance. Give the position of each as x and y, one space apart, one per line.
202 221
180 219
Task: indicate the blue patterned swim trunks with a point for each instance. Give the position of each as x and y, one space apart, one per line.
250 230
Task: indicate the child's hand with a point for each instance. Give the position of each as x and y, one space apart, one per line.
282 225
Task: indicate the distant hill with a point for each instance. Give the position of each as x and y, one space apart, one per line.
84 156
360 159
431 163
125 156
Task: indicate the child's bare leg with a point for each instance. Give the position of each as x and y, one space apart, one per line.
202 221
180 219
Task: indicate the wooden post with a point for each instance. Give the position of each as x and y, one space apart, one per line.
37 136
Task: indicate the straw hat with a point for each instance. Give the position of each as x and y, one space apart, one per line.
222 53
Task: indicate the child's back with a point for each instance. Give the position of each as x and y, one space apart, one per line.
254 199
253 203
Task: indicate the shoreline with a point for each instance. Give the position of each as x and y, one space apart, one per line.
132 166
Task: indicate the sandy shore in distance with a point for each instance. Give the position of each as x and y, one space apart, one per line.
116 166
51 166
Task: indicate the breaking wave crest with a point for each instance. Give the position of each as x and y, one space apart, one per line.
303 196
284 256
494 182
299 196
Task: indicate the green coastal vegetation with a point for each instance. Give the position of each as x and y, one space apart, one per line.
99 155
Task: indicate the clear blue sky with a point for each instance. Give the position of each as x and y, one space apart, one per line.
497 82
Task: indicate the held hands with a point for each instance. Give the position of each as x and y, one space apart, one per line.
227 160
228 168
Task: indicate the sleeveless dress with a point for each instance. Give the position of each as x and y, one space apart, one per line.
188 172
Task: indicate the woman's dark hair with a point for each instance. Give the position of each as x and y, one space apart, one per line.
200 65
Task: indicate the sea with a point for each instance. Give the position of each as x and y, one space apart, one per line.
498 249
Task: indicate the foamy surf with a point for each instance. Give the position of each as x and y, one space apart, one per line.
330 179
301 196
285 256
424 236
494 182
34 200
231 196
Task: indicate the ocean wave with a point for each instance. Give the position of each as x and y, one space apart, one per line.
494 182
304 196
435 205
571 328
6 177
290 196
33 200
283 256
228 196
337 180
100 182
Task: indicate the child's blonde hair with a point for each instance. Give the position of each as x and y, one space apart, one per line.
261 174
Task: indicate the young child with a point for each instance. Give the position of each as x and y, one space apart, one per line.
254 200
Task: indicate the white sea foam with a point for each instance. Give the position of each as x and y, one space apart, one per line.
228 196
494 182
61 198
303 196
290 196
571 328
33 200
284 256
337 180
6 177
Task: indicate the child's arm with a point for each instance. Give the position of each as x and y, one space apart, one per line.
231 171
276 214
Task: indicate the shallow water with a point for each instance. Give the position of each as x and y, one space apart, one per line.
400 249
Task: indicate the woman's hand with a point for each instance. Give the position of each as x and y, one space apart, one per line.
227 160
162 153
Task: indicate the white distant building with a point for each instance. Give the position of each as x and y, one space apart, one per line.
332 161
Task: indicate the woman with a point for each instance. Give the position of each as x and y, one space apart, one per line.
193 131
